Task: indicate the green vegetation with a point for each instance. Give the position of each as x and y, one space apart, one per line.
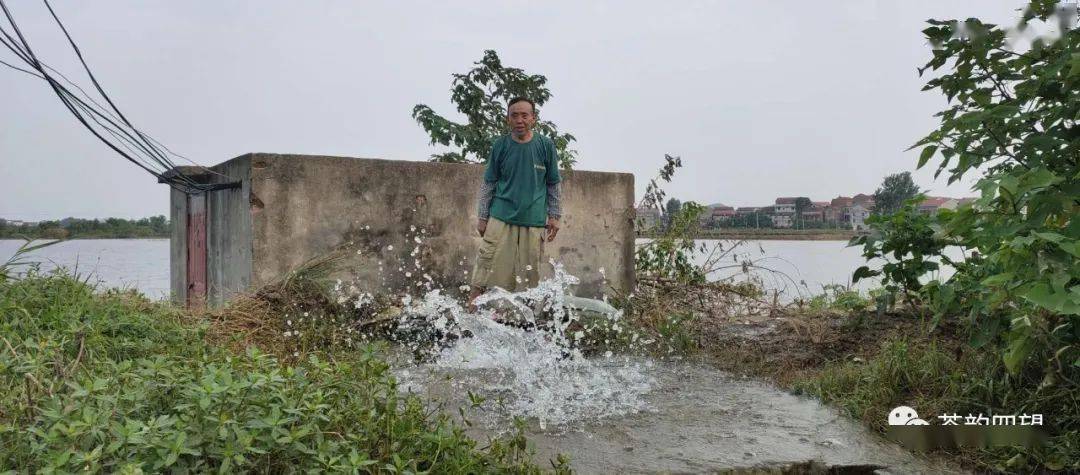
895 190
669 256
74 228
111 382
906 241
1012 120
940 377
481 95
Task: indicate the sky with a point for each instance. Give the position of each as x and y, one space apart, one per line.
759 99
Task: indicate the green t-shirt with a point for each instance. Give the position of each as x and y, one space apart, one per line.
521 173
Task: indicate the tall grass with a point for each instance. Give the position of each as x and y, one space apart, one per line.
920 373
112 382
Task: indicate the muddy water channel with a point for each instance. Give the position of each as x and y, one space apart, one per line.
612 413
692 418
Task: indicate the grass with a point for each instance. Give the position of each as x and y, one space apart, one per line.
112 382
838 348
919 372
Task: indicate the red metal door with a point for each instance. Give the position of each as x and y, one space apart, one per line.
196 250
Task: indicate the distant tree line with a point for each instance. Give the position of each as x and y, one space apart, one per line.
75 228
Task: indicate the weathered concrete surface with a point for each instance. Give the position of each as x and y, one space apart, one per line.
178 211
291 208
228 233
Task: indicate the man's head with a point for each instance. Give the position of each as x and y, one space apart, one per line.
521 115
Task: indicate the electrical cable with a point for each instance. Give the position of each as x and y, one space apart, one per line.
127 140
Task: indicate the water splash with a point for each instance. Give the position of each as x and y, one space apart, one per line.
510 371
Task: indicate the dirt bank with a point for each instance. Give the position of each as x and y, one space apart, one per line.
789 345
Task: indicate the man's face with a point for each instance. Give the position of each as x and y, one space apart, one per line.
521 118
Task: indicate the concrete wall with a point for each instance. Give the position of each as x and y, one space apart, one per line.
178 211
228 232
292 208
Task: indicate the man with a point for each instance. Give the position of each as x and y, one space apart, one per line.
518 206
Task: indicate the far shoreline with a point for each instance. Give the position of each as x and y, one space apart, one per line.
771 234
80 238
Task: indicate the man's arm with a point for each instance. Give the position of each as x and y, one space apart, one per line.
483 206
487 189
554 204
554 209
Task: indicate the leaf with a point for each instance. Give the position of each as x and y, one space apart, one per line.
998 279
1003 111
1019 347
926 154
864 272
1052 237
1071 247
1042 295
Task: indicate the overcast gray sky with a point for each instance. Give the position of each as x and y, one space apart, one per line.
760 99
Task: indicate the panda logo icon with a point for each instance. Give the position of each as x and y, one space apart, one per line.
905 416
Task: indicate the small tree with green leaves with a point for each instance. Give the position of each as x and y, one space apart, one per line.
671 255
894 191
1012 118
481 95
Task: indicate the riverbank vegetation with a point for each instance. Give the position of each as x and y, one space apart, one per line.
1001 334
112 382
75 228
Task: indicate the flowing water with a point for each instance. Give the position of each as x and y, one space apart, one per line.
620 413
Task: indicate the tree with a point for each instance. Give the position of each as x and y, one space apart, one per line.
481 95
894 191
1012 119
801 204
670 210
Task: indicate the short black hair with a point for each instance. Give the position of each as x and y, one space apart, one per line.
521 99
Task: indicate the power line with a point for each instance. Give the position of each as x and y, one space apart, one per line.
108 124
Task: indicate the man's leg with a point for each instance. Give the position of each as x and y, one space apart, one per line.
490 261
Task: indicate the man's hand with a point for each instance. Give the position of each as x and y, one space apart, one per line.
481 226
552 228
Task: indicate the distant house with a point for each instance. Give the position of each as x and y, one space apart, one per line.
857 216
839 210
646 218
784 211
867 201
723 211
816 211
746 210
931 204
716 215
785 205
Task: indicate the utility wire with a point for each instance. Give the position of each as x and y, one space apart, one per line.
126 139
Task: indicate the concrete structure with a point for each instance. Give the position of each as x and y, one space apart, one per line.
391 215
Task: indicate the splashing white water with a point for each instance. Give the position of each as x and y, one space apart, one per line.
533 374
